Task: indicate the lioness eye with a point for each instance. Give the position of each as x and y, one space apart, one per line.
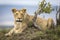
16 13
21 14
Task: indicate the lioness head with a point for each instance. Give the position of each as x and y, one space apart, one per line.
19 14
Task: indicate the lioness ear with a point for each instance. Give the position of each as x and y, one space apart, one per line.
24 10
13 10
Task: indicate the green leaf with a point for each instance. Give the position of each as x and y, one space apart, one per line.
47 8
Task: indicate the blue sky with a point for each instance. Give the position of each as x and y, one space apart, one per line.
27 2
6 16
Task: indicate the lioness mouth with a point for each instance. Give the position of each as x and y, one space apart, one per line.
18 20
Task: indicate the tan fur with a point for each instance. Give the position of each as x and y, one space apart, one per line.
21 26
18 26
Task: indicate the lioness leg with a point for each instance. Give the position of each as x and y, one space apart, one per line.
21 29
10 32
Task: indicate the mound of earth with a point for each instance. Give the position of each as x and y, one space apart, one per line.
30 33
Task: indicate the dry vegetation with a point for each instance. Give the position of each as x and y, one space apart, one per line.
32 33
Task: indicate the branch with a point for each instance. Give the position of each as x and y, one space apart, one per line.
39 10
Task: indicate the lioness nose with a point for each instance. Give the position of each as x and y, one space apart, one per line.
19 18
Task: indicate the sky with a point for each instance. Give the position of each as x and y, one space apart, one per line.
6 16
27 2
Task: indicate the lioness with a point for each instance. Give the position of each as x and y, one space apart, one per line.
22 20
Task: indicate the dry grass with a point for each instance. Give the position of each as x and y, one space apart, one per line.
32 33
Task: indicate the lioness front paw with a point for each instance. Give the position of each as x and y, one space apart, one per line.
7 35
